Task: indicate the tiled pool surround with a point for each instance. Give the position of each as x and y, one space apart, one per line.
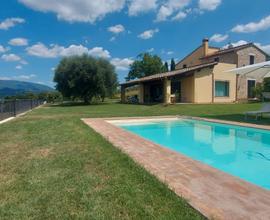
214 193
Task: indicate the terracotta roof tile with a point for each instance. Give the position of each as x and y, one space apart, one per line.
228 50
169 74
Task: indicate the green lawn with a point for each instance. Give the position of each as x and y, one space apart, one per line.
52 166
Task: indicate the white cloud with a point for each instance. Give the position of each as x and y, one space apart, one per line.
235 44
151 50
122 64
170 7
73 50
10 22
99 52
265 48
25 77
179 16
77 11
23 62
5 78
263 24
163 13
18 42
117 29
40 50
11 57
140 6
148 34
19 67
113 38
19 77
209 5
54 50
219 38
3 49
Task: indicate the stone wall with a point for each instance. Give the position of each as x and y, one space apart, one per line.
243 60
242 87
230 58
243 56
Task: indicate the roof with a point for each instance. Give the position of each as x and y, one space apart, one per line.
169 74
193 52
233 49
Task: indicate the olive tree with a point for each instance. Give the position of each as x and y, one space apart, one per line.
85 77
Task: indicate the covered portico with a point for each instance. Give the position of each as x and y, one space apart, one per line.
152 91
170 87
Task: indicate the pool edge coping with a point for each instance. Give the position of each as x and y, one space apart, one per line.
207 210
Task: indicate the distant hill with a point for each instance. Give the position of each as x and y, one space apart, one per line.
13 87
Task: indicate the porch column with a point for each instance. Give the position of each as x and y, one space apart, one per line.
141 93
167 91
123 94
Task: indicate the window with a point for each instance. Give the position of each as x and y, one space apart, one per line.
216 59
251 59
222 88
185 66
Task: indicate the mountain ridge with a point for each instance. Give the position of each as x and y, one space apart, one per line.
14 87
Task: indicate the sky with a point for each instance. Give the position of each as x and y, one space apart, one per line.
36 34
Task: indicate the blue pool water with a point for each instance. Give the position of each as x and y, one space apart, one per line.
239 151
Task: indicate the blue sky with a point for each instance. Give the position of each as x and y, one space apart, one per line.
36 34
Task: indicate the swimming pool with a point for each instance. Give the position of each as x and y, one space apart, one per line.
240 151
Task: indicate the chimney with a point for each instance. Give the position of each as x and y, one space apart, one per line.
205 44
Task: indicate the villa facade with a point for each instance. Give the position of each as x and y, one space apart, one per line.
202 77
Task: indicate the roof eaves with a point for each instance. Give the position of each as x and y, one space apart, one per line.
169 74
229 50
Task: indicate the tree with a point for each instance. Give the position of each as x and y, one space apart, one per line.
266 85
166 67
172 64
84 77
145 65
50 97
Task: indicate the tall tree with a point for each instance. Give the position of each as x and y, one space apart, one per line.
172 64
166 67
85 77
145 65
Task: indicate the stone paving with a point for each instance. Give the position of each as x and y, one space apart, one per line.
216 194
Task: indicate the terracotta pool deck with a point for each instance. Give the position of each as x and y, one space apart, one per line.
216 194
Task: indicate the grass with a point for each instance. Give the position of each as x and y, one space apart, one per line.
52 166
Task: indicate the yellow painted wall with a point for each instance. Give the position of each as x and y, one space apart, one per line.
187 89
221 74
192 59
195 57
212 50
203 86
167 91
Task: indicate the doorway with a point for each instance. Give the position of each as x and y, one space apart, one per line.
251 83
176 91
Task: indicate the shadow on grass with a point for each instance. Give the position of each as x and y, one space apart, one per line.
241 118
74 104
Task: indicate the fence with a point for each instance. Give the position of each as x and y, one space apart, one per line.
11 108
